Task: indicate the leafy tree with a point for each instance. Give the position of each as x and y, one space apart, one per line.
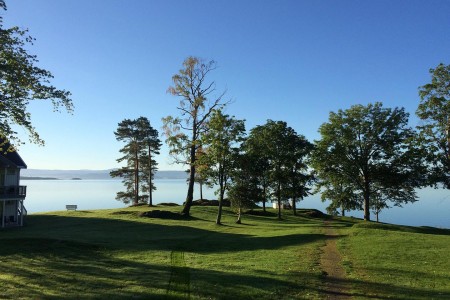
244 189
299 178
434 133
256 151
21 81
201 172
141 144
221 141
183 133
282 152
369 149
340 194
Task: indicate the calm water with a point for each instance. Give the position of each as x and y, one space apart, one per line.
432 209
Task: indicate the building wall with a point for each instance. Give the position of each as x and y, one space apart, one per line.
12 176
11 209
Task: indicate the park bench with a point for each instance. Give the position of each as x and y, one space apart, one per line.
71 207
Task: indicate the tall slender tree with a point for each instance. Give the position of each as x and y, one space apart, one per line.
300 178
22 81
152 145
197 102
222 143
244 191
256 150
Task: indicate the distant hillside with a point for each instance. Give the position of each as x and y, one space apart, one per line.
89 174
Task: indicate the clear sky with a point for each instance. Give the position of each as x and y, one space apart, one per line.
283 60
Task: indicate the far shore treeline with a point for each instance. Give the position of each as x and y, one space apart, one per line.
367 158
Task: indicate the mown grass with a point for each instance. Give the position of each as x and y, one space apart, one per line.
117 254
397 262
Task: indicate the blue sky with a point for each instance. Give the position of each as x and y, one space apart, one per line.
283 60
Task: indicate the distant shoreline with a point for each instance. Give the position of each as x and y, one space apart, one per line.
37 174
37 178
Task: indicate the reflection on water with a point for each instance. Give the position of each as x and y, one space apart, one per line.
49 195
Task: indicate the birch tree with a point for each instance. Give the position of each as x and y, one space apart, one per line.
198 99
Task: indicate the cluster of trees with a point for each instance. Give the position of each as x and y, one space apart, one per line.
271 161
367 158
142 144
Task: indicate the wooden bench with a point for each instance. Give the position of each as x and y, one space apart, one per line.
71 207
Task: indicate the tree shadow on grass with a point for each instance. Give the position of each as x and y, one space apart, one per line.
52 269
130 235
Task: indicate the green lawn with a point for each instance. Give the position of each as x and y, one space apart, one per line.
118 255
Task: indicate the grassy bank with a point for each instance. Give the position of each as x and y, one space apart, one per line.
119 255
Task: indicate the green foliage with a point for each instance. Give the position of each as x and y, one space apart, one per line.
183 133
21 81
368 149
141 145
282 160
244 191
434 132
220 143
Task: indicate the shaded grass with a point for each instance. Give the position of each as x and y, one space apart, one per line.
119 255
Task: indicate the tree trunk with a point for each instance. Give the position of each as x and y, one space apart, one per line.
377 212
238 221
201 190
136 178
279 200
190 193
342 210
294 208
150 199
264 198
219 213
366 203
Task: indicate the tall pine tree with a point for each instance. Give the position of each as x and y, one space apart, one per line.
141 145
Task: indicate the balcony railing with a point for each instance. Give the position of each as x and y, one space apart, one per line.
13 191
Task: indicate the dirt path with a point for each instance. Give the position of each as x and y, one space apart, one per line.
336 286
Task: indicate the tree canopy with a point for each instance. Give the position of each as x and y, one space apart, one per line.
434 132
197 102
369 149
22 81
141 144
221 142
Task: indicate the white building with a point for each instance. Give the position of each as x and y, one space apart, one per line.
12 194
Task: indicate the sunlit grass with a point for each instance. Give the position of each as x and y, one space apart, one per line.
119 255
398 261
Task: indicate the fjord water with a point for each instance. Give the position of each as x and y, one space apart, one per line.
432 209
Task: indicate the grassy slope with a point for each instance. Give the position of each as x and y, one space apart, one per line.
116 254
